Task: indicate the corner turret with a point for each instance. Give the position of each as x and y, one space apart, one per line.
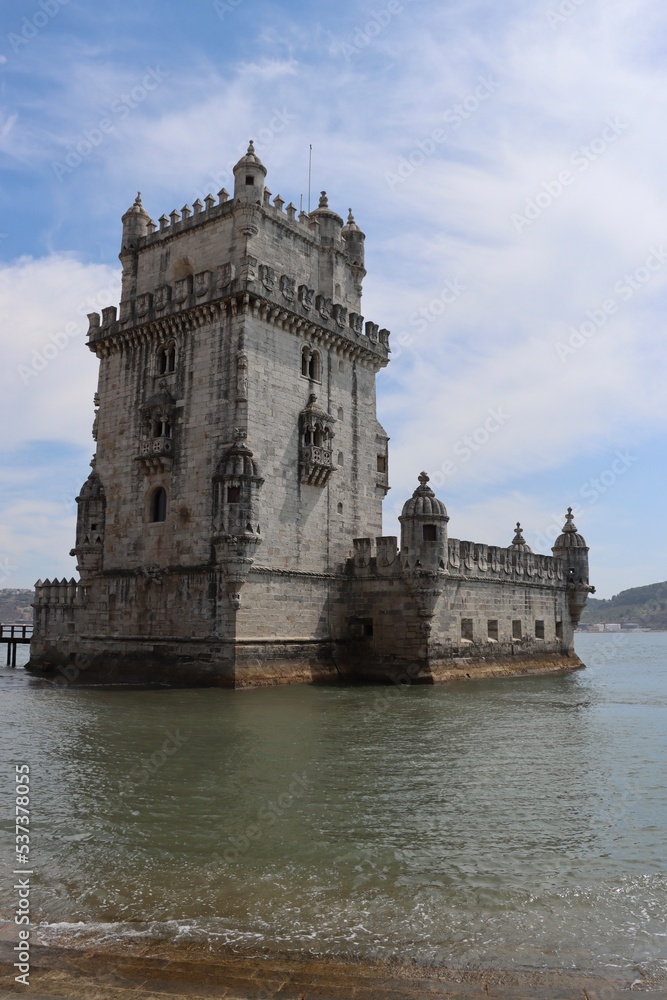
249 176
136 222
571 547
354 242
329 222
424 530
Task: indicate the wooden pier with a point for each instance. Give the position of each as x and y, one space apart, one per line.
12 636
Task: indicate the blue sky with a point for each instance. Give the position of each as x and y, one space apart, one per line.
507 163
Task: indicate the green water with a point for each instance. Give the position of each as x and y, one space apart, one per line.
511 822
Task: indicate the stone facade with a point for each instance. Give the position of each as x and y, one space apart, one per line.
230 530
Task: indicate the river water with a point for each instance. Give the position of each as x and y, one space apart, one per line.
507 823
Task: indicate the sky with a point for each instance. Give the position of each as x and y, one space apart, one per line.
507 163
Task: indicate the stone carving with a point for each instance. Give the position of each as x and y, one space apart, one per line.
267 276
340 315
287 287
306 296
144 304
202 283
162 296
323 306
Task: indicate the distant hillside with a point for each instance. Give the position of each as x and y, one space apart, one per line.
644 605
15 606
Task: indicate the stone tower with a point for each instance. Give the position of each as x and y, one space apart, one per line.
230 532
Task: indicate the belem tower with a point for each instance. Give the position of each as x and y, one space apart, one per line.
230 531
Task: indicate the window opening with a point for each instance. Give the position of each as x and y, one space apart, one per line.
159 505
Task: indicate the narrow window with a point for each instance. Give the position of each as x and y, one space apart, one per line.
340 508
559 630
429 532
382 463
539 630
159 505
249 180
233 494
340 457
466 629
315 367
171 359
305 358
161 361
492 628
516 629
340 412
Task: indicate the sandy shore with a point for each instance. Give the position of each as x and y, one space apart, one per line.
158 970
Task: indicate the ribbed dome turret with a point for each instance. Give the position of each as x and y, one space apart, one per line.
249 174
354 241
519 542
92 488
570 538
238 463
423 502
135 223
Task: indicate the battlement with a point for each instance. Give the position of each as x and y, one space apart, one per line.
62 593
228 286
467 560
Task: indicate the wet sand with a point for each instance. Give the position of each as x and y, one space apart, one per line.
127 971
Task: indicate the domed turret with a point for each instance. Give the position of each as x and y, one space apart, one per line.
249 175
329 221
424 529
354 241
135 224
570 538
571 547
519 542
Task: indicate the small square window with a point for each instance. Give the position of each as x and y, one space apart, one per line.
516 630
559 630
382 463
250 180
430 533
233 494
492 628
466 629
539 630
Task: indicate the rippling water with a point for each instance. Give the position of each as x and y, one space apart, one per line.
512 823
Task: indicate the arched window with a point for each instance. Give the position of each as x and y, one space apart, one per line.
311 364
159 505
315 367
166 358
